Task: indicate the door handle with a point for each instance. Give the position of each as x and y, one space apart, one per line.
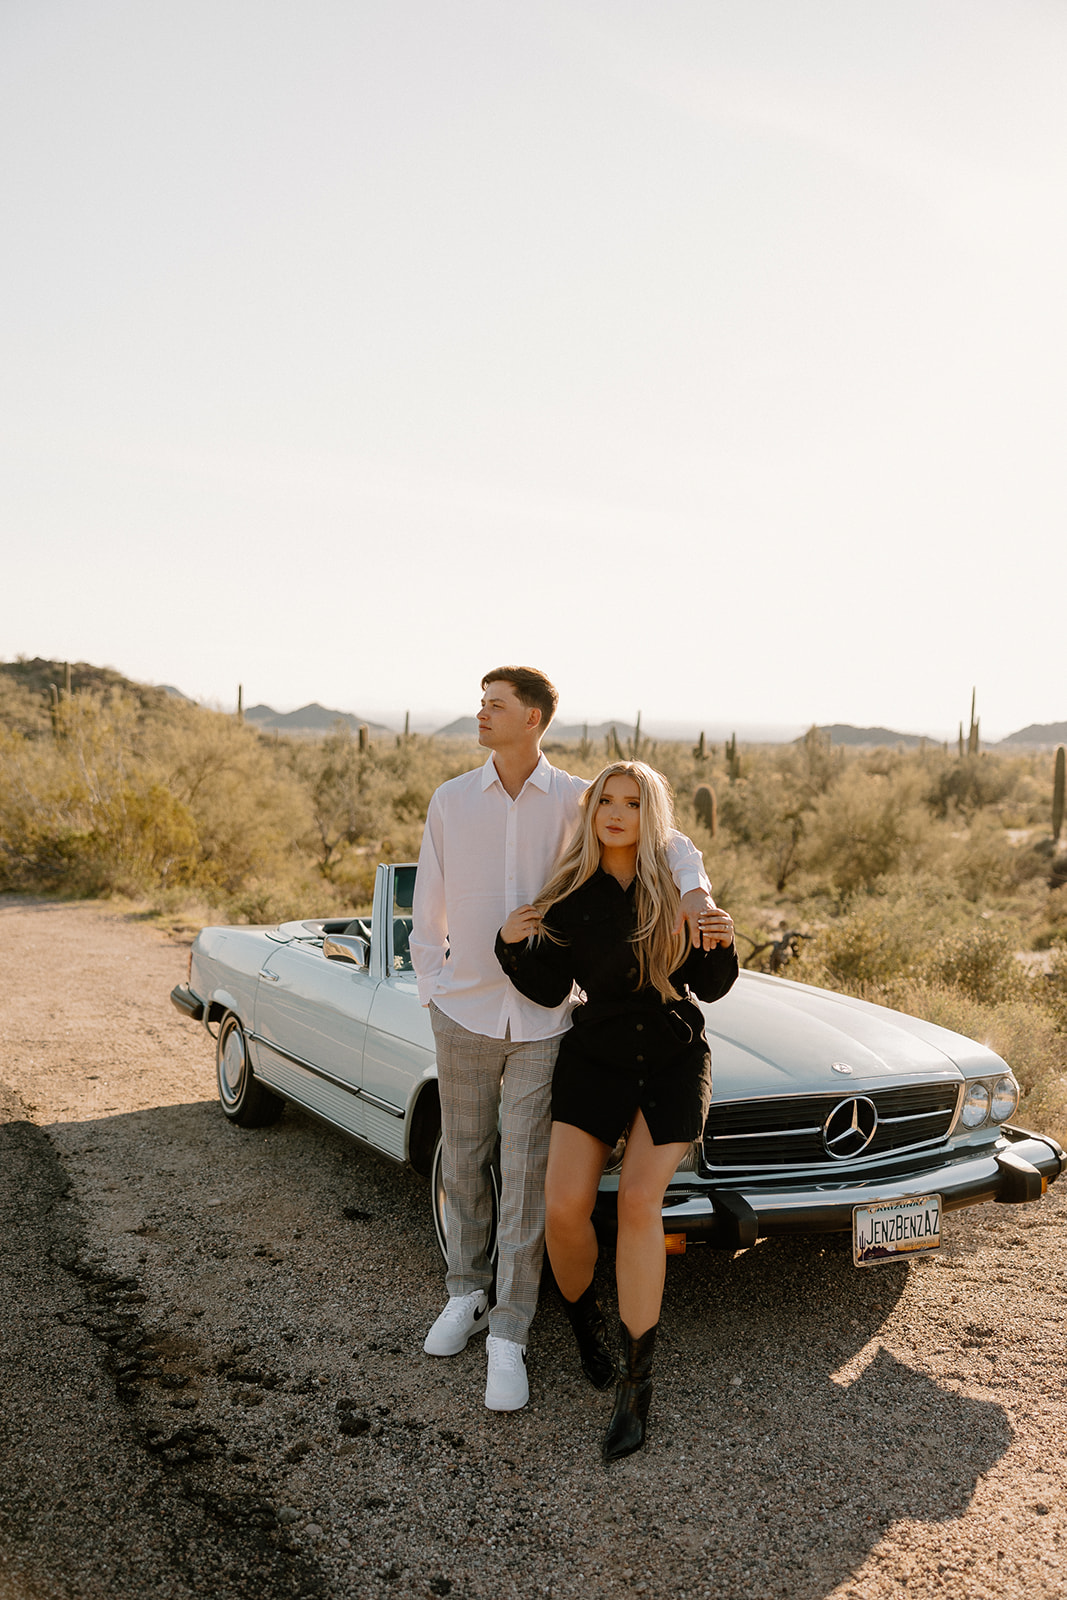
271 976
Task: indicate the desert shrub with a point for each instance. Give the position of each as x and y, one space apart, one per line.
766 812
985 863
872 940
250 811
980 962
80 813
22 711
1022 1031
970 785
868 826
1052 926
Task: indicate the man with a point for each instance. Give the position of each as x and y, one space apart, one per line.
491 839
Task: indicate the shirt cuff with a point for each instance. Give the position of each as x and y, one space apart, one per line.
427 988
693 880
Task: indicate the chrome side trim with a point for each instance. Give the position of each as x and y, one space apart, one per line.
328 1077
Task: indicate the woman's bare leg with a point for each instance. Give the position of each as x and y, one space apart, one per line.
640 1254
575 1163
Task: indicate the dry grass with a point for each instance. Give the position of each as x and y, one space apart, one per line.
916 876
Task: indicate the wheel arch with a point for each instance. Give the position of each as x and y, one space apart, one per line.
424 1126
221 1005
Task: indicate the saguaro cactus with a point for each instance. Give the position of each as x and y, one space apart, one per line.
1057 795
972 736
705 808
733 760
700 753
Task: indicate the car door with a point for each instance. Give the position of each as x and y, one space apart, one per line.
310 1027
399 1051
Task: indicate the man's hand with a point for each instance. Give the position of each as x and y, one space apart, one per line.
520 925
708 926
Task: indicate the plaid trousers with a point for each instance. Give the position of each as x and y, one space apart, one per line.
484 1082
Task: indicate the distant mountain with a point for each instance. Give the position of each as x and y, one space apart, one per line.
1038 733
467 728
845 733
311 719
599 730
38 675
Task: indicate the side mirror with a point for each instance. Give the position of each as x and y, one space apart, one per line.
346 947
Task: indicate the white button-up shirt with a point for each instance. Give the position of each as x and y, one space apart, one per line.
484 854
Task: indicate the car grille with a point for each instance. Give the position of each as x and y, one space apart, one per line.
788 1132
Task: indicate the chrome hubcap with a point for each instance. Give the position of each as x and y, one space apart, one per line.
232 1064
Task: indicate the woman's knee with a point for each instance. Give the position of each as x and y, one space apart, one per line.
565 1212
640 1203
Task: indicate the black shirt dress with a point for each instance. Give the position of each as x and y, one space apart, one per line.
628 1049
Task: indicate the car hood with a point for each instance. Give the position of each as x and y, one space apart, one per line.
771 1036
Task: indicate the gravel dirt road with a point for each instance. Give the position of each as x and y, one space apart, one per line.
213 1379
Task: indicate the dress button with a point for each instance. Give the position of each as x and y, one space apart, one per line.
640 1027
640 1058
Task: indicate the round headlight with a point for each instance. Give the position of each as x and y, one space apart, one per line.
975 1105
1005 1099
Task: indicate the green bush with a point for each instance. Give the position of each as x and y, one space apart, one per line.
867 827
981 963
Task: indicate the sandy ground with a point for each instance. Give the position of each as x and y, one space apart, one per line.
213 1381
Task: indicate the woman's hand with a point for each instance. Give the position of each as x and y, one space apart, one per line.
707 924
520 925
716 928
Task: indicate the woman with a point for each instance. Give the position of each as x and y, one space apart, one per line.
636 1057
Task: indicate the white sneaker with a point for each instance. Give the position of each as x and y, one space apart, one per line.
506 1388
464 1314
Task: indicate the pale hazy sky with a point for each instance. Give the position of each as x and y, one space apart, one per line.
709 354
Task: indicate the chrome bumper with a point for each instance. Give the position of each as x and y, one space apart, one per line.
731 1215
188 1003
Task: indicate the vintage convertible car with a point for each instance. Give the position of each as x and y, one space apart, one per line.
829 1114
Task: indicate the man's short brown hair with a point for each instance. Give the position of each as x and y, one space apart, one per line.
531 688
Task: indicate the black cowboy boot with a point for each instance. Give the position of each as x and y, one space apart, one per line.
587 1320
633 1393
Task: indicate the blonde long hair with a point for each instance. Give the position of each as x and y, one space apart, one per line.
656 900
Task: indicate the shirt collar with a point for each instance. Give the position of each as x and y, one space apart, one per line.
540 777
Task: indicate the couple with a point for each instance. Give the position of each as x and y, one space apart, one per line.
500 1010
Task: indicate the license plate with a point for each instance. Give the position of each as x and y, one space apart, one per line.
889 1229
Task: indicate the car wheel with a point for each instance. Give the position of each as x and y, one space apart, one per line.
247 1103
437 1200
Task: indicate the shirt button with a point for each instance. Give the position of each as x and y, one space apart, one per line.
640 1058
640 1083
640 1027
